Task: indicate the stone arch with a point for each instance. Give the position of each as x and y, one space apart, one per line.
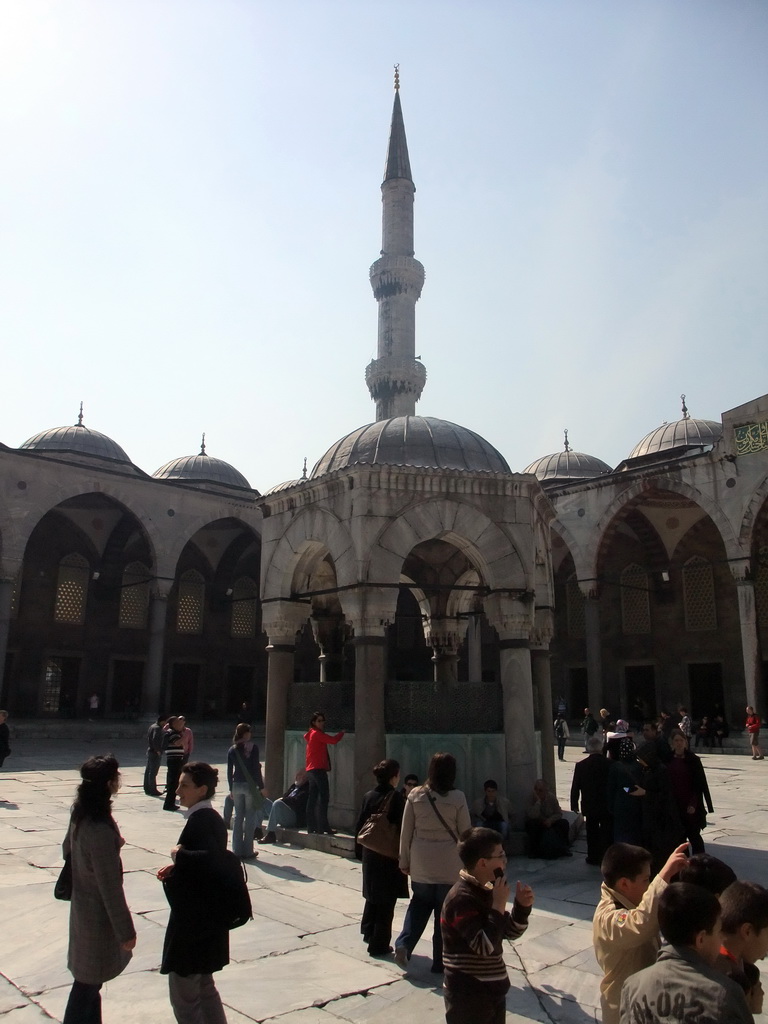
632 495
311 532
572 546
173 546
21 527
487 547
752 513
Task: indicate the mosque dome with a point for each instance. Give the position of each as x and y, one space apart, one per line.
683 434
202 468
421 441
282 487
567 465
77 440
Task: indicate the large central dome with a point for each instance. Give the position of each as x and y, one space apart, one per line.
421 441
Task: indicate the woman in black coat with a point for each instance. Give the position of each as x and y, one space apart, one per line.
383 881
689 785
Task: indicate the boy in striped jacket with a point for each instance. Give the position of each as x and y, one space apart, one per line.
474 923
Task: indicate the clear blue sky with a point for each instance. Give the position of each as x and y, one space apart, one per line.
189 204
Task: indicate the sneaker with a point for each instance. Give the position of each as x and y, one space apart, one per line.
401 956
270 837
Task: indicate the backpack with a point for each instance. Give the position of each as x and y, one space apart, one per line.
235 899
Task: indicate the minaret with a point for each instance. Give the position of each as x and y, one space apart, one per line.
396 378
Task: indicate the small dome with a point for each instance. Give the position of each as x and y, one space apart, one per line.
684 434
202 468
421 441
283 486
565 466
79 440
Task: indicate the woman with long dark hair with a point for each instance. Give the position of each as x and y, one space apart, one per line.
245 785
318 765
101 932
383 881
435 816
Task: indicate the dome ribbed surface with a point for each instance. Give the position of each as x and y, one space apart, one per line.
78 440
564 466
420 441
282 487
202 468
685 433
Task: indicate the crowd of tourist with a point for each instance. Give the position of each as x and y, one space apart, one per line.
644 797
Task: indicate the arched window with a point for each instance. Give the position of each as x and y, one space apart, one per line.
134 597
244 594
71 590
189 618
575 602
635 607
699 595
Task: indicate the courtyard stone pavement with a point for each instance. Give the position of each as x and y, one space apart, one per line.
301 960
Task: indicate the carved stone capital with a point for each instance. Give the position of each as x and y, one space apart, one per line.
511 617
741 570
281 620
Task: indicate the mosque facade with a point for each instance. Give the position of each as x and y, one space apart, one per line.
412 585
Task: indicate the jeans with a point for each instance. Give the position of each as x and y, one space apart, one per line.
428 898
317 801
154 758
246 819
502 827
84 1004
280 814
195 999
229 808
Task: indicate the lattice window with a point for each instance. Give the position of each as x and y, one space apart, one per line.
575 605
52 684
72 590
699 595
244 594
635 606
189 618
761 591
134 597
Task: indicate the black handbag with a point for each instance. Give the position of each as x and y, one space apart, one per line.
62 890
380 834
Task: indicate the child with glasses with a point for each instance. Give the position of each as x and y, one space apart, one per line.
474 923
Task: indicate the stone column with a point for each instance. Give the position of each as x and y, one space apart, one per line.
475 648
517 697
595 697
750 647
6 594
153 672
281 620
542 683
370 730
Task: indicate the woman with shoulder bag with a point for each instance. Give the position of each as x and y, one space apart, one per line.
435 816
246 786
383 881
101 932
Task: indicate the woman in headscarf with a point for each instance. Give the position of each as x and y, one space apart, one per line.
101 932
383 881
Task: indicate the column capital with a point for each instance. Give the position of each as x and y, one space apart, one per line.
444 636
590 589
160 590
741 570
369 611
281 621
511 616
543 628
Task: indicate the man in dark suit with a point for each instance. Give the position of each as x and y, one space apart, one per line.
590 781
197 937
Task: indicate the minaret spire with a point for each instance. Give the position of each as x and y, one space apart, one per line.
396 378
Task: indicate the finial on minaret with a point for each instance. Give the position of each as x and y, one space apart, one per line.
202 444
567 446
686 414
304 471
397 77
80 416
